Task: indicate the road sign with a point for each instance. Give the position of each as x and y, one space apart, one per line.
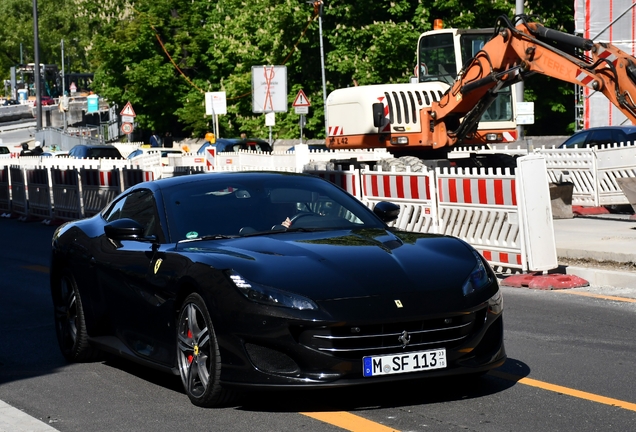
270 119
128 110
269 89
127 128
215 103
301 110
525 113
301 100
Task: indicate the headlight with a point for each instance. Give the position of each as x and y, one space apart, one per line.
478 277
495 303
271 296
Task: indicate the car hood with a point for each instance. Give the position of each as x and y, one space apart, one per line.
349 266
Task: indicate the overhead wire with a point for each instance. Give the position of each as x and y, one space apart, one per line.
163 47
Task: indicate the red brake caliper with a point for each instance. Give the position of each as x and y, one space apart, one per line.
190 357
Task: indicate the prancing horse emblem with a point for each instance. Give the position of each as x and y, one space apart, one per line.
405 338
157 265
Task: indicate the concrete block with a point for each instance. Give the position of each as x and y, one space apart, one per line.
561 200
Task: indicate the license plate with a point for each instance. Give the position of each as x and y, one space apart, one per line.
403 363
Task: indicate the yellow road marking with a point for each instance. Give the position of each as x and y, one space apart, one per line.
598 296
354 423
37 268
566 391
348 421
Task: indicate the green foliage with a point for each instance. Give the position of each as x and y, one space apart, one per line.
163 55
55 23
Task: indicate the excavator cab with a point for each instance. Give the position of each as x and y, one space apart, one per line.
441 55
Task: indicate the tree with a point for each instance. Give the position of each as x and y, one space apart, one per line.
55 22
163 55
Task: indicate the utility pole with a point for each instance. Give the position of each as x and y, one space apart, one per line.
320 5
519 87
322 66
21 67
63 99
36 69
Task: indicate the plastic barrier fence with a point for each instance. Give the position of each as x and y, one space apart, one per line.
19 199
535 214
480 207
66 194
39 192
133 176
5 191
98 187
413 192
347 180
578 166
488 209
614 162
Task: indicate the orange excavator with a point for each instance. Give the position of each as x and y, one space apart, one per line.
415 118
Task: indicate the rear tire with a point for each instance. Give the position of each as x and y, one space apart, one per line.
198 355
70 325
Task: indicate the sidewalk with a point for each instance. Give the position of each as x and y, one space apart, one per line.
603 248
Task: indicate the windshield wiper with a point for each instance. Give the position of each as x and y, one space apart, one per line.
309 229
281 230
206 237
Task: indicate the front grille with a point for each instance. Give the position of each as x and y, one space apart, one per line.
355 341
404 106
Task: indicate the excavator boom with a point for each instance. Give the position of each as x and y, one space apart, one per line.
429 116
515 53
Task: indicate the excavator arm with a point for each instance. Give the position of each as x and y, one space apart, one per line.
514 53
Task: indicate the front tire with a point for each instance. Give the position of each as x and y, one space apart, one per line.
198 354
70 325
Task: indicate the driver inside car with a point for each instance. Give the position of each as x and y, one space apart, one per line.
284 212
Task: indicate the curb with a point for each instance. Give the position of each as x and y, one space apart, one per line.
613 278
594 276
618 257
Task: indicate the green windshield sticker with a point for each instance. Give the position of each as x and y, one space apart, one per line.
192 234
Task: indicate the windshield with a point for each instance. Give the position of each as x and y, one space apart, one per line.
437 62
243 205
437 58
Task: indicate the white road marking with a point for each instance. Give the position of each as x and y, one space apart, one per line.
14 420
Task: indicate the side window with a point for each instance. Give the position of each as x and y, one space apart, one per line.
140 206
619 136
601 136
577 140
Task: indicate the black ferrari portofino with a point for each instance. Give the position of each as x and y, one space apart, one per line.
197 275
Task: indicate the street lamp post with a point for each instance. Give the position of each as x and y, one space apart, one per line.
62 99
320 5
36 69
322 67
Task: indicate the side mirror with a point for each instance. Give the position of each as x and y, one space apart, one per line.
387 211
126 229
378 114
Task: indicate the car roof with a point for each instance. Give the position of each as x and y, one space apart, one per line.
229 175
624 128
95 146
160 149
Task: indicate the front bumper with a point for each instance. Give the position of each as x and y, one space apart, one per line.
279 353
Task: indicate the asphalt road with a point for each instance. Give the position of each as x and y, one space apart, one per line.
15 133
571 367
